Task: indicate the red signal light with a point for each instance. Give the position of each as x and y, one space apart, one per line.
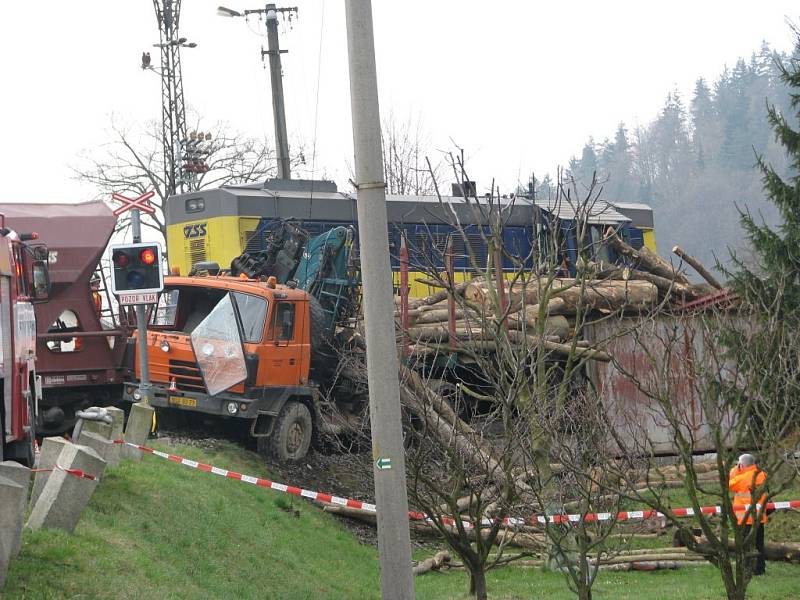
147 256
121 259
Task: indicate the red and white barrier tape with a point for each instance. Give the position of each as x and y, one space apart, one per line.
73 472
415 516
260 482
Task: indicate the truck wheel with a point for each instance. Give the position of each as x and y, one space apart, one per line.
291 436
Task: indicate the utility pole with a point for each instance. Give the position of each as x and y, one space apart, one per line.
270 11
394 544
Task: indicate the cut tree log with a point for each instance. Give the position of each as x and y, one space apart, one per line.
697 266
608 295
785 552
650 565
648 557
442 315
665 286
645 258
554 327
475 347
448 426
439 296
434 563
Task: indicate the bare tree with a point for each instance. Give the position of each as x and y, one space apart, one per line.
490 390
701 397
405 148
132 162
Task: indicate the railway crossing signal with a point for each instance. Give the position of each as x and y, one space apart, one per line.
136 269
140 203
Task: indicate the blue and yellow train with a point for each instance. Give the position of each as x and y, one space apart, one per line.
219 224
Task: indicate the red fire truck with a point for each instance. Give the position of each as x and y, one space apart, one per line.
24 281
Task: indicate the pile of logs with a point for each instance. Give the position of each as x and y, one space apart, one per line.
543 311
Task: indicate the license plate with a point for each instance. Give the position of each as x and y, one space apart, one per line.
183 401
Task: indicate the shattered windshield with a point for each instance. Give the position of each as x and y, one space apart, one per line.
218 347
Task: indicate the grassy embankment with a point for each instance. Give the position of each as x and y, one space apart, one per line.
158 530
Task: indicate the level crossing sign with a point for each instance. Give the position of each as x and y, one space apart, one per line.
140 203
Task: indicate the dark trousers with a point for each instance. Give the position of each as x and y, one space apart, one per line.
761 561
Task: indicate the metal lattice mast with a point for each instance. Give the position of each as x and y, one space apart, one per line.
173 110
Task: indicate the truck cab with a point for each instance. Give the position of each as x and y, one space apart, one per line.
235 348
24 281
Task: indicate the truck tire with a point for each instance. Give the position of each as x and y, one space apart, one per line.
318 318
291 436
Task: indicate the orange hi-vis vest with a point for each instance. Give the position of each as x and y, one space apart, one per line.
741 482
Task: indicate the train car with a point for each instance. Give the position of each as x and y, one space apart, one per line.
219 224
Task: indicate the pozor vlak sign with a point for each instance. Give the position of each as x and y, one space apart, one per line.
136 275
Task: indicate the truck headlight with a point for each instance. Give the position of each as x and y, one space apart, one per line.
232 408
164 345
137 394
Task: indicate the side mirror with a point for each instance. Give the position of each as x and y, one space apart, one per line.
40 290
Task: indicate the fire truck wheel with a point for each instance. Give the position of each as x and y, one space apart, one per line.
291 436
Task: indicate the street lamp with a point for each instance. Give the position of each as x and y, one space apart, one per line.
228 12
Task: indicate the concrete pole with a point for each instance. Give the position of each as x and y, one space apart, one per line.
141 321
276 82
394 545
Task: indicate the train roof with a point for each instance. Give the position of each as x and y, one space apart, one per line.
321 201
641 215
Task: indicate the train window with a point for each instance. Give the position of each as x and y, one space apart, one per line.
194 205
67 322
252 313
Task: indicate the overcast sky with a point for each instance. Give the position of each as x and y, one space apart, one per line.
520 85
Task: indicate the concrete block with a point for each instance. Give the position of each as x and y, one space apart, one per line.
98 427
10 494
100 444
65 496
21 476
116 434
140 422
50 449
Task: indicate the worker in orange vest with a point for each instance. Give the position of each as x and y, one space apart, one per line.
745 478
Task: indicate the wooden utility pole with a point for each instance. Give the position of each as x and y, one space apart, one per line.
394 544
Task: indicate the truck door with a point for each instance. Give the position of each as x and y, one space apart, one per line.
282 353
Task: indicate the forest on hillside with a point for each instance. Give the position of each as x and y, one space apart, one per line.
695 162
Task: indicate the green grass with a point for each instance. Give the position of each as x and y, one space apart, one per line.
693 583
158 530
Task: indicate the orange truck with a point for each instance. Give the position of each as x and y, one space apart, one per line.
24 281
241 346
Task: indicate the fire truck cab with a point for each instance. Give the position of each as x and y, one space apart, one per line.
24 281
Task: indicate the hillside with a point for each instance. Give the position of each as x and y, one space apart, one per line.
158 530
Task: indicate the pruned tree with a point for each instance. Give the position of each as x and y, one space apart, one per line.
132 162
698 397
494 364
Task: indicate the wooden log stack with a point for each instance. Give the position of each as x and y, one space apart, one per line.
543 312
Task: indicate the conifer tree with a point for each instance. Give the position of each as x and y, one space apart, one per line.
768 281
776 274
